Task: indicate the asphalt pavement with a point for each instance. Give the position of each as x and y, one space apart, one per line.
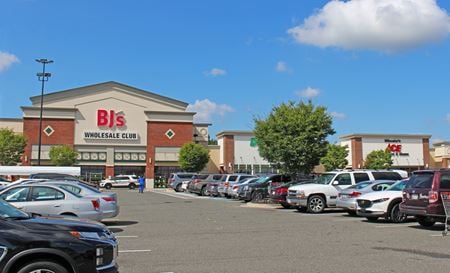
183 233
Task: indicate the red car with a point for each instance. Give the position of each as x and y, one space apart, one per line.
278 194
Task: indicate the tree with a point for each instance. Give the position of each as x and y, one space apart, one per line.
193 157
12 146
379 159
336 157
63 155
293 136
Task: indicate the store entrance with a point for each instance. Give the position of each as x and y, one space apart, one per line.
162 174
129 170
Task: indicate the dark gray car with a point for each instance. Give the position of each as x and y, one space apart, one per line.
200 181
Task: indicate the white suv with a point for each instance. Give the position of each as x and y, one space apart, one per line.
130 181
323 191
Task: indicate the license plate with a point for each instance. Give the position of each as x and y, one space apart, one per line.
414 196
445 195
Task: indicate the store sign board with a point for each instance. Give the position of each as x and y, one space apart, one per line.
395 148
110 118
110 135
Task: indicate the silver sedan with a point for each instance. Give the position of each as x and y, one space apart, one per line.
347 197
49 200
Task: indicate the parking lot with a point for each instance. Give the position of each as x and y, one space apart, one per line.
178 232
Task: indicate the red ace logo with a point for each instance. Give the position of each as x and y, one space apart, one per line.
394 148
110 118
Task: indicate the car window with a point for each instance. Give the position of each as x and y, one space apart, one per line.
381 186
398 186
19 194
445 181
232 178
344 179
71 188
89 187
134 177
324 178
386 176
217 177
200 176
359 177
184 176
46 194
421 181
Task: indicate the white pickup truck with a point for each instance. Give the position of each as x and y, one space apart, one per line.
323 192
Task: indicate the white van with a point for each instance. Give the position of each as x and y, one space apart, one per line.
323 192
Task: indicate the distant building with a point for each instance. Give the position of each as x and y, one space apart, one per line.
442 154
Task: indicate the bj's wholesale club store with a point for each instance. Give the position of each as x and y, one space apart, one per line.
114 128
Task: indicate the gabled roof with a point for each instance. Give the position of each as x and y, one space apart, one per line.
91 89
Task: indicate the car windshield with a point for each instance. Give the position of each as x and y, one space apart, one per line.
324 178
399 186
7 211
262 179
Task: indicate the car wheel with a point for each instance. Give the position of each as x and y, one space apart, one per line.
286 205
43 267
178 188
302 209
425 223
256 197
108 186
204 191
132 186
316 204
372 219
351 212
395 216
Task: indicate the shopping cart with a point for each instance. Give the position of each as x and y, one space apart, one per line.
445 196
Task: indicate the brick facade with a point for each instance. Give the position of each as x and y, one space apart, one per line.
228 157
64 132
426 152
156 137
357 153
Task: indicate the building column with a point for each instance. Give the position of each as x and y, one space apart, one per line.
228 157
357 153
426 153
445 162
109 171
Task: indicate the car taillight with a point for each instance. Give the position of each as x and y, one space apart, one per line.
109 199
354 194
433 196
235 187
96 204
196 180
281 190
226 184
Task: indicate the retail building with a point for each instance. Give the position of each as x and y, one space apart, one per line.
115 128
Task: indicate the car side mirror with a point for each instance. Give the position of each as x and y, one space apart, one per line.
335 183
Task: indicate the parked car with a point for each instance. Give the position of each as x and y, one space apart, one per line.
323 193
108 200
233 189
279 194
49 200
200 182
243 186
259 189
30 244
130 181
230 179
175 180
384 204
422 197
347 197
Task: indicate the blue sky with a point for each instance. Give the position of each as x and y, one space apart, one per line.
379 66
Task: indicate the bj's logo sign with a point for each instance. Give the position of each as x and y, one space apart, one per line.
110 118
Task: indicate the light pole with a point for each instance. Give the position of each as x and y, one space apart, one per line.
43 77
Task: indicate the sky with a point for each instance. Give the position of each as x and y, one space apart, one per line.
378 66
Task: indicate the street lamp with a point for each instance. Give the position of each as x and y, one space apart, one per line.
43 77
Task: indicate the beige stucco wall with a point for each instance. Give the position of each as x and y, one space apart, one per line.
15 125
214 159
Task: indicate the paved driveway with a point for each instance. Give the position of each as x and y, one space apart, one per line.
169 232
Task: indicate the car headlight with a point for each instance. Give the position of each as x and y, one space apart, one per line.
301 194
380 200
86 235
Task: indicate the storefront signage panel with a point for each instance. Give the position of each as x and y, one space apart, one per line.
110 135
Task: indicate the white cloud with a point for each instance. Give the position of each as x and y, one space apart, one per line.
308 93
215 72
206 109
448 118
282 67
338 115
382 25
6 60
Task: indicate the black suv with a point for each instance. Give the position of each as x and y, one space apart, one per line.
31 244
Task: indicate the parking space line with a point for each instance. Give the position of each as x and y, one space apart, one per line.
117 226
127 236
175 195
437 235
391 226
135 251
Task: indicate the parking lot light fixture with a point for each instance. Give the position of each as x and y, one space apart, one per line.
43 77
